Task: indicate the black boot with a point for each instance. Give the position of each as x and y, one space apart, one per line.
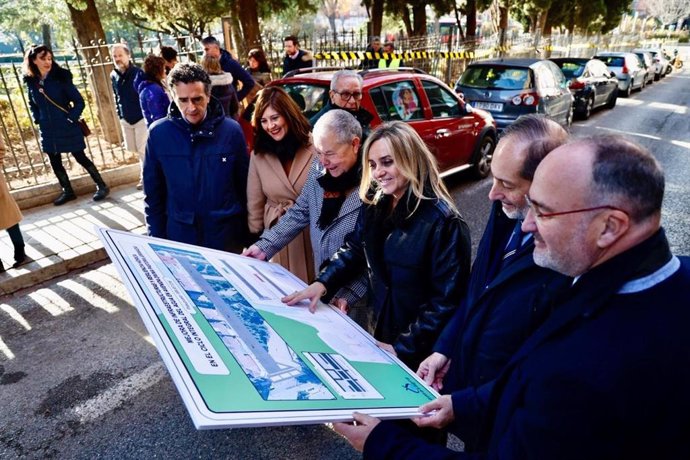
102 190
19 256
67 192
2 267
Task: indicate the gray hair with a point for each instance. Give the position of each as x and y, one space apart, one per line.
541 134
122 46
189 73
626 173
341 125
345 73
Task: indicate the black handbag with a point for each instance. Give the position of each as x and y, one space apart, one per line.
85 130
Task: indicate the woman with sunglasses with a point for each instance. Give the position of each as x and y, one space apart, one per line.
56 107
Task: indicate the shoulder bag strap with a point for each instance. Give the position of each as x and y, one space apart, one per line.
42 91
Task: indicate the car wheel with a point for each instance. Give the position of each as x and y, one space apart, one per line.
612 99
628 90
588 108
481 162
669 69
569 117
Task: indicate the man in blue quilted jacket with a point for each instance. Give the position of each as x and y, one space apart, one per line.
195 168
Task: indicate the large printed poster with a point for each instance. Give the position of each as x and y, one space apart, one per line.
239 357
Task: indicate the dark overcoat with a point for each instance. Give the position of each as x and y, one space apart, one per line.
60 132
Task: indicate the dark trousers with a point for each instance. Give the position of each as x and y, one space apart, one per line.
56 162
16 236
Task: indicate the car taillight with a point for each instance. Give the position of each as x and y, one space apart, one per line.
526 99
625 69
576 84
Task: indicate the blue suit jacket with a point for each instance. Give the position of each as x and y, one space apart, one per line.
501 310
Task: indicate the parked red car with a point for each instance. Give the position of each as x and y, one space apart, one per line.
459 136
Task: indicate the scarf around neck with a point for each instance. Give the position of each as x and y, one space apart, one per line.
335 191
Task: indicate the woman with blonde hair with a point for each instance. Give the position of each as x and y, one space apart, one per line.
278 169
409 238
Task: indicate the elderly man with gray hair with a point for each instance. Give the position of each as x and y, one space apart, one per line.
329 202
346 94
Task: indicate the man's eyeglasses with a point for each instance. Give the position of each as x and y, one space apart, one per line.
544 215
346 95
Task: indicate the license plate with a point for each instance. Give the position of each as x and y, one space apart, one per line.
493 106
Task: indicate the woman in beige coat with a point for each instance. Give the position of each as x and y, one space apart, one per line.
279 166
10 216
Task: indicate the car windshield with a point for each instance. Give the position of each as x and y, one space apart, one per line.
612 61
309 97
572 69
496 77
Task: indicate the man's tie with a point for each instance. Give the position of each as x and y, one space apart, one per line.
514 243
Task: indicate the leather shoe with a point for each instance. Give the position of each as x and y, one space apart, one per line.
101 193
64 198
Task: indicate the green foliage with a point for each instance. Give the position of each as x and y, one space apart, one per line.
172 16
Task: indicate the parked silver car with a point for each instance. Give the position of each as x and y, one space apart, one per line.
508 88
663 66
626 66
647 62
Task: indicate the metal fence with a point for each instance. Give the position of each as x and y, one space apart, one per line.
442 56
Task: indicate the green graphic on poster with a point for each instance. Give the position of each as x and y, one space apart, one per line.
239 357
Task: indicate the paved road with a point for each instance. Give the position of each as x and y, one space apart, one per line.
79 377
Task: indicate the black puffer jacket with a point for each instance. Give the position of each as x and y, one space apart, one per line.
418 268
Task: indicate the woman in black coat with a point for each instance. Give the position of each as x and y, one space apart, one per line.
50 86
411 240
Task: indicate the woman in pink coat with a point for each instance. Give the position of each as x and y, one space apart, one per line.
279 166
10 216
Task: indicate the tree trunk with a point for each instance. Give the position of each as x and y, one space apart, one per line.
45 33
249 18
406 20
419 18
87 25
236 36
471 26
503 30
377 17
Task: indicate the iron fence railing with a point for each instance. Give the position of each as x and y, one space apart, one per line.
443 56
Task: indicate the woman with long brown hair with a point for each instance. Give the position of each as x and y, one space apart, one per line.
56 107
278 169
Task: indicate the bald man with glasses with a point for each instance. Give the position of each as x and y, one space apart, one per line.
346 94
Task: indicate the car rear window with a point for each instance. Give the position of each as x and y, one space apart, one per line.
309 97
496 77
612 61
572 69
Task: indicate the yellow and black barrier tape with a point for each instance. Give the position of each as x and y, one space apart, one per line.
345 55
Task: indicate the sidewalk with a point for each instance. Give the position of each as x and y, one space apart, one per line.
63 238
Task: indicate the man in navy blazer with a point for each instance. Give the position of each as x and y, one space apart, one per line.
508 296
607 374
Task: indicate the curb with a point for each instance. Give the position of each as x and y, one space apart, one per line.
36 274
40 195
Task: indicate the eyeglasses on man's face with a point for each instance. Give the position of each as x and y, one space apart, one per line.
346 95
534 207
